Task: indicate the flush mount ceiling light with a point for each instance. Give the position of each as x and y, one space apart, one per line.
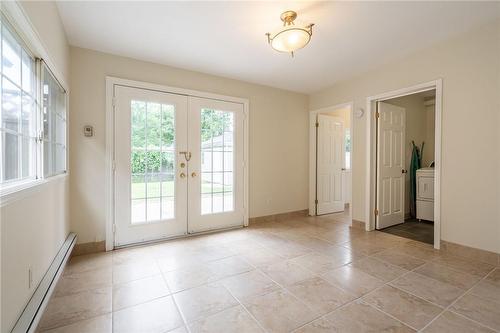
290 37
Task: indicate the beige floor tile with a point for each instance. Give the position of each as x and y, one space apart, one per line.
249 284
65 310
230 266
487 290
189 277
159 315
434 291
476 268
100 324
138 291
378 268
88 262
214 252
287 273
353 280
318 263
320 325
74 283
135 270
289 250
261 256
174 262
397 258
279 311
181 329
364 247
360 317
320 295
411 310
420 252
203 301
235 319
130 255
494 277
481 310
447 274
450 322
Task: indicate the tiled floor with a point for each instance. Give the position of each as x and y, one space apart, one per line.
300 275
421 231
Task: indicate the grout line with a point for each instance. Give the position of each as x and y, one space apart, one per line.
467 291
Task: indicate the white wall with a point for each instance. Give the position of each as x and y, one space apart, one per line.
34 227
278 136
470 68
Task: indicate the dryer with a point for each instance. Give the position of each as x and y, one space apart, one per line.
425 194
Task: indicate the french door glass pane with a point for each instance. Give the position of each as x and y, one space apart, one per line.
152 161
216 161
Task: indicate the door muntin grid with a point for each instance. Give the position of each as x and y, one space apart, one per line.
152 162
217 161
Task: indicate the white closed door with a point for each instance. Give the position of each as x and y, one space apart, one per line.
178 165
390 165
216 168
330 161
150 189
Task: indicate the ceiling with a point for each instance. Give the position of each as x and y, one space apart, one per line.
228 38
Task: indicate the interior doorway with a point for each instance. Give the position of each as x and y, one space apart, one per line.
330 177
388 198
405 166
178 163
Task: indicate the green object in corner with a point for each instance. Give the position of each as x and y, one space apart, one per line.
415 164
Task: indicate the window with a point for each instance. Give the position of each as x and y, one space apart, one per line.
54 124
32 114
348 148
18 116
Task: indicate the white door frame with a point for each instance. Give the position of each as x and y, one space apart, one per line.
312 149
371 158
109 178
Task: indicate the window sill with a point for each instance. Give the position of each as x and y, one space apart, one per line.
14 193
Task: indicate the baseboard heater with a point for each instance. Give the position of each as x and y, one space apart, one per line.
29 319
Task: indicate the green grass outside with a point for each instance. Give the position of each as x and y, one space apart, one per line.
139 189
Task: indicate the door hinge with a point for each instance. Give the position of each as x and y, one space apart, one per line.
375 212
114 228
317 124
113 165
316 201
377 114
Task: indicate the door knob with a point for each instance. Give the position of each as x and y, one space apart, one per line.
183 165
193 174
182 175
404 171
343 169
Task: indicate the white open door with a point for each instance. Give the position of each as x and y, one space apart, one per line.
330 161
390 165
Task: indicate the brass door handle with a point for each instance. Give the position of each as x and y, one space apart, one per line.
182 175
404 171
193 174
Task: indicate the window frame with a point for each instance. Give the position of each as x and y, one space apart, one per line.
12 16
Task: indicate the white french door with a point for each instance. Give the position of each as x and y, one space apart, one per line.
390 165
330 162
216 178
178 165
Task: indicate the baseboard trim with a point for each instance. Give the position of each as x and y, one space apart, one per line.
32 313
279 217
491 258
358 224
89 248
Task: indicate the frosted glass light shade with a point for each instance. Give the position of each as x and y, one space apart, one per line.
290 39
